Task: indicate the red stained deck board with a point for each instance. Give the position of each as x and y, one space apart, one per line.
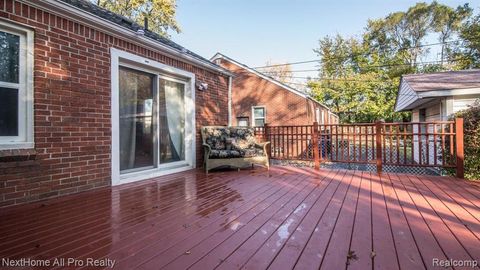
384 252
217 220
315 249
222 251
466 237
465 186
132 229
273 234
337 253
361 241
292 249
63 215
464 210
426 241
410 257
150 240
95 227
227 225
446 239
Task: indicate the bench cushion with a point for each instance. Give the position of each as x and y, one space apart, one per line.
225 154
252 152
243 138
216 136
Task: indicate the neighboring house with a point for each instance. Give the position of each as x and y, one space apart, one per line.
436 97
90 99
258 99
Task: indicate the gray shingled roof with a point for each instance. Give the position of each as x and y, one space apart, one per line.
120 20
462 79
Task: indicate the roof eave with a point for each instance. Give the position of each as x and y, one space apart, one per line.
258 73
79 15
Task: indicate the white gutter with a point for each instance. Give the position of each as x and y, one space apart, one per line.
446 93
73 13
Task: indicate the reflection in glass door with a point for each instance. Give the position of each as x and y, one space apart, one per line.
171 107
136 119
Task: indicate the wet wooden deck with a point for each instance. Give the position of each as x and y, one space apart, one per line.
288 218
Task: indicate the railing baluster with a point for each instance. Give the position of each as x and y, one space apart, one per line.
404 144
434 144
427 142
443 144
365 143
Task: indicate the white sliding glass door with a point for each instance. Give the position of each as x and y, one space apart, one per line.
152 120
136 120
171 108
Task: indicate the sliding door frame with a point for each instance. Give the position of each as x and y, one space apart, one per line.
124 59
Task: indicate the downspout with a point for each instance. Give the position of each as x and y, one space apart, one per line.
229 101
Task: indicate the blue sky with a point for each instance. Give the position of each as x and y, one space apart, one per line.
254 32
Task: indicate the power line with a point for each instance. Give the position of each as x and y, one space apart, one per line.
292 63
315 79
336 79
361 54
376 66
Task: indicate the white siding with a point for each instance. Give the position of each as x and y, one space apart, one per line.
405 96
462 103
433 113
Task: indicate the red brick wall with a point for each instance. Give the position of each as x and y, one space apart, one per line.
72 107
283 107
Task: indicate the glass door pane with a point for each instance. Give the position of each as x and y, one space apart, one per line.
136 119
171 121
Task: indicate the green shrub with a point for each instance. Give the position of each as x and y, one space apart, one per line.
471 119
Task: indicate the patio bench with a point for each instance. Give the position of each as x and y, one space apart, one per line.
232 146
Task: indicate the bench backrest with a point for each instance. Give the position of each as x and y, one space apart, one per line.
240 137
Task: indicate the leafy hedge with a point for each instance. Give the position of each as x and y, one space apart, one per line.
471 119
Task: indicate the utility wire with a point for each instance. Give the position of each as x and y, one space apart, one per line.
360 54
377 66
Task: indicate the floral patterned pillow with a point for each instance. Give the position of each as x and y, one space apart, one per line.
244 138
216 136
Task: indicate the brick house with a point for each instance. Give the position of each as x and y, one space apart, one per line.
258 98
90 99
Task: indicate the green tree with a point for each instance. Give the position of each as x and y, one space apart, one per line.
359 77
159 13
349 84
470 34
446 22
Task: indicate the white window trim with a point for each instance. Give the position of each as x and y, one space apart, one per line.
122 58
264 114
238 121
25 139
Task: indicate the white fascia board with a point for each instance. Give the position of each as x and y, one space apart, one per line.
76 14
452 92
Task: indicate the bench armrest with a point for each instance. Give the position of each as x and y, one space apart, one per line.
207 147
262 145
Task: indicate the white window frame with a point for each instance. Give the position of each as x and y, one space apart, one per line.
24 140
240 117
121 58
264 114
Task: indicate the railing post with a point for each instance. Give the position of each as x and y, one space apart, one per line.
316 155
378 142
459 147
266 138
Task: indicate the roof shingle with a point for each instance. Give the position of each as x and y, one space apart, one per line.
122 21
462 79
